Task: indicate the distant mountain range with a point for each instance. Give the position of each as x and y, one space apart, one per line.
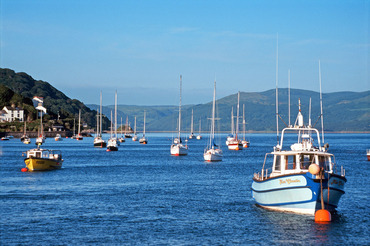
343 111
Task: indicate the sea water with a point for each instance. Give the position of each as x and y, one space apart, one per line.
141 195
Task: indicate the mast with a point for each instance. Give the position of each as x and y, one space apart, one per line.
213 118
192 117
232 121
200 125
121 127
322 114
97 122
41 128
115 114
135 127
144 123
289 96
237 117
277 78
180 107
79 121
243 122
101 115
126 126
309 114
111 124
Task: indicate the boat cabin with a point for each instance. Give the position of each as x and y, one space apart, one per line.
44 154
290 162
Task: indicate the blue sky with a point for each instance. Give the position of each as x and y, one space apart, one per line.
140 48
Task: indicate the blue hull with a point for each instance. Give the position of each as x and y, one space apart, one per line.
298 193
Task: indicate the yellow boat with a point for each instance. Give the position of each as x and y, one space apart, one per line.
43 159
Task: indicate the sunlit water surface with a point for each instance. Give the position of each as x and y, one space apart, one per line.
143 195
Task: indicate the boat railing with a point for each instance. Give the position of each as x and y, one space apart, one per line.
264 174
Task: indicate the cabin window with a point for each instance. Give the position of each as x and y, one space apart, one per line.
324 162
38 155
277 163
306 161
290 162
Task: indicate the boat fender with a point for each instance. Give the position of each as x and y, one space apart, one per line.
314 169
25 169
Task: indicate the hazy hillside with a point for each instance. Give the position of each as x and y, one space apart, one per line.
343 111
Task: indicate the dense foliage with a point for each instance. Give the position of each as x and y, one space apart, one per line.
20 87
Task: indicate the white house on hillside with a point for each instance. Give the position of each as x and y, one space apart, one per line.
10 114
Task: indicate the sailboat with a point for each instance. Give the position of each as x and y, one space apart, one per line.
235 143
143 140
213 152
127 127
79 136
41 139
112 142
191 136
99 142
121 139
200 126
177 148
134 138
25 139
244 141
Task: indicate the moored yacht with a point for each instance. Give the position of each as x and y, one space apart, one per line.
99 142
234 143
79 136
143 140
112 142
213 152
177 148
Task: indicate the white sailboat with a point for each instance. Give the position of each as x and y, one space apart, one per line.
112 142
41 139
213 152
143 140
121 139
199 136
134 138
127 127
245 142
191 136
235 143
99 142
79 136
177 148
25 139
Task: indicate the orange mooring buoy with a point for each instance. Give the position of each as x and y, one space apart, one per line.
25 169
322 215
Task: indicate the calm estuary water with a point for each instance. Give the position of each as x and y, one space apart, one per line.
141 195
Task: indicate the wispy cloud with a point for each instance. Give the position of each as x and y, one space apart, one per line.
179 30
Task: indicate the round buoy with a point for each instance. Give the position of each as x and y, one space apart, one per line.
322 215
25 169
314 169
